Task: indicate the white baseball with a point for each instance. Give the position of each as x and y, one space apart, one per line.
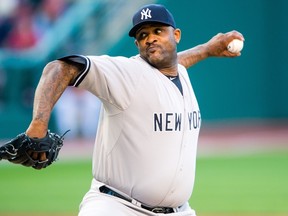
235 46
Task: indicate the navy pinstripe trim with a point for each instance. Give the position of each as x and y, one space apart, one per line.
83 74
81 60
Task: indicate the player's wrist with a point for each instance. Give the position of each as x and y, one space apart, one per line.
204 50
37 129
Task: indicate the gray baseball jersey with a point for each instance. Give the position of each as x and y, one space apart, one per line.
148 131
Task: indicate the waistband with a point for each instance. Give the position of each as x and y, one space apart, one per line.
158 209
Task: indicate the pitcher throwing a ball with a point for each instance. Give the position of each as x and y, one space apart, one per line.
145 150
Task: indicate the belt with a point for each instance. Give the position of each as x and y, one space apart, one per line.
163 210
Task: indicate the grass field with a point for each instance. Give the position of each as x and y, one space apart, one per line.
237 185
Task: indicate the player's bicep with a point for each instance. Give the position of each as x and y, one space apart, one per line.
78 65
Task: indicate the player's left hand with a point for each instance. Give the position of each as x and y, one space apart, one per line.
32 152
217 46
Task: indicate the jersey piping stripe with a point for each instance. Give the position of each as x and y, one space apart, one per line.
84 73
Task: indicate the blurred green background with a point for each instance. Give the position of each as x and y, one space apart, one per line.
253 86
249 90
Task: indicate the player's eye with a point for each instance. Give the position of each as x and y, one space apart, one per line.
141 35
158 31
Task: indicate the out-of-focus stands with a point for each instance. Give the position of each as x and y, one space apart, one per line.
33 32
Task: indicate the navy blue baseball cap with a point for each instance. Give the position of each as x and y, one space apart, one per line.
152 13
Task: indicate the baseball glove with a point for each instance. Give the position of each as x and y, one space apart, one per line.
18 150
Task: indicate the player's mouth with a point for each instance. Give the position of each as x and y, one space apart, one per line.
152 48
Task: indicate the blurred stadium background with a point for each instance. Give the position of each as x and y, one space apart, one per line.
243 101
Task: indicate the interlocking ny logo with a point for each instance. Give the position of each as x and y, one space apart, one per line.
145 14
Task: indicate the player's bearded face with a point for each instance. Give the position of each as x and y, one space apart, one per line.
157 44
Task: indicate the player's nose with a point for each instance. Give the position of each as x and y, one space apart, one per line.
150 39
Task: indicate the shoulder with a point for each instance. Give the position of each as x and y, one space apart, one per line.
183 72
114 58
134 63
182 69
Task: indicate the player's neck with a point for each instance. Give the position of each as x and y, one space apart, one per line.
171 71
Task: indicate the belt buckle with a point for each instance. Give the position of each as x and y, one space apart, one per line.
158 210
162 210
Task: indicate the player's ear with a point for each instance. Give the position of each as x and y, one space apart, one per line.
136 43
177 35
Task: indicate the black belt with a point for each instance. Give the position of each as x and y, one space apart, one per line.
163 210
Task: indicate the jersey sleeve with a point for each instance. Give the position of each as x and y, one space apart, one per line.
82 60
112 79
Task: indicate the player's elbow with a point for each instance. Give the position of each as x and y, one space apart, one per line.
60 69
53 66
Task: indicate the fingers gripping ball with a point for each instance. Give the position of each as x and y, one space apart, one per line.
235 46
17 150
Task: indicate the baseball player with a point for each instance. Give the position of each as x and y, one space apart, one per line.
145 149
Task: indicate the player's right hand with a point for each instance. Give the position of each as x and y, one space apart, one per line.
217 46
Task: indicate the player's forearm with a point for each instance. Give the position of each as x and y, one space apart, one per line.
216 46
189 57
55 78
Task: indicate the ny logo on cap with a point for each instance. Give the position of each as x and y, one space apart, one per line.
145 14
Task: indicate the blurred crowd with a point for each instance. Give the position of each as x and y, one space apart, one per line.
24 22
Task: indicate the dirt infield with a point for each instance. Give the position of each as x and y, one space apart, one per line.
244 138
224 138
